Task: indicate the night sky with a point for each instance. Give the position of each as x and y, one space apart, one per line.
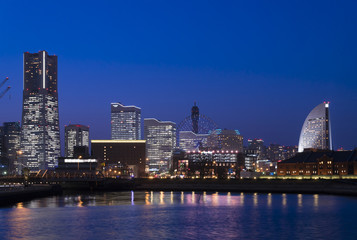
256 66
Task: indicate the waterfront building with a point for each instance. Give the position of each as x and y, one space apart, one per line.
276 152
160 139
228 140
258 146
319 163
316 131
190 141
40 133
125 122
11 146
208 164
250 159
266 167
75 135
119 158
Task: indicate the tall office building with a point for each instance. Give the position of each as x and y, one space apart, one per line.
190 141
258 146
75 135
11 146
40 135
125 122
160 139
228 140
316 131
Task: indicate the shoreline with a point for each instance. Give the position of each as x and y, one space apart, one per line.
254 186
321 186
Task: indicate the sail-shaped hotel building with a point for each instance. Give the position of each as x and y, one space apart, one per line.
316 131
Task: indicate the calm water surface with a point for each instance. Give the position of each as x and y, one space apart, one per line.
182 215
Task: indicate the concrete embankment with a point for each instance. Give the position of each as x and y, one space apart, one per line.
336 187
9 196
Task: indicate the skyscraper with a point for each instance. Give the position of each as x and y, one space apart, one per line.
11 145
190 141
227 140
316 131
40 135
125 122
257 145
75 135
160 139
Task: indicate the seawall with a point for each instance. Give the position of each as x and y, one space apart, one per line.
20 194
336 187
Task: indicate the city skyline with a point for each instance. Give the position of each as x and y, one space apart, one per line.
267 98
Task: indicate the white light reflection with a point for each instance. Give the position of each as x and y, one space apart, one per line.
132 198
284 199
300 200
229 198
316 200
162 198
269 200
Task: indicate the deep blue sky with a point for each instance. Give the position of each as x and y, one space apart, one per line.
255 66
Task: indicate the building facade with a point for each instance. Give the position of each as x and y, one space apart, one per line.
208 164
258 146
316 131
11 146
319 163
160 139
119 158
125 122
190 141
225 139
277 152
75 135
40 134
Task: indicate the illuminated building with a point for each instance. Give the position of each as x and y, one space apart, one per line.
225 140
316 131
276 152
190 141
120 157
160 139
319 162
258 146
75 135
250 159
212 164
11 146
40 133
125 122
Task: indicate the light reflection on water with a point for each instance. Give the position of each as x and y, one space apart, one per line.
184 215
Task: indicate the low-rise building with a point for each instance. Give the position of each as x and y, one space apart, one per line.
118 158
214 164
319 162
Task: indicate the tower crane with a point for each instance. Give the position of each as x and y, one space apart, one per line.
3 82
2 93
